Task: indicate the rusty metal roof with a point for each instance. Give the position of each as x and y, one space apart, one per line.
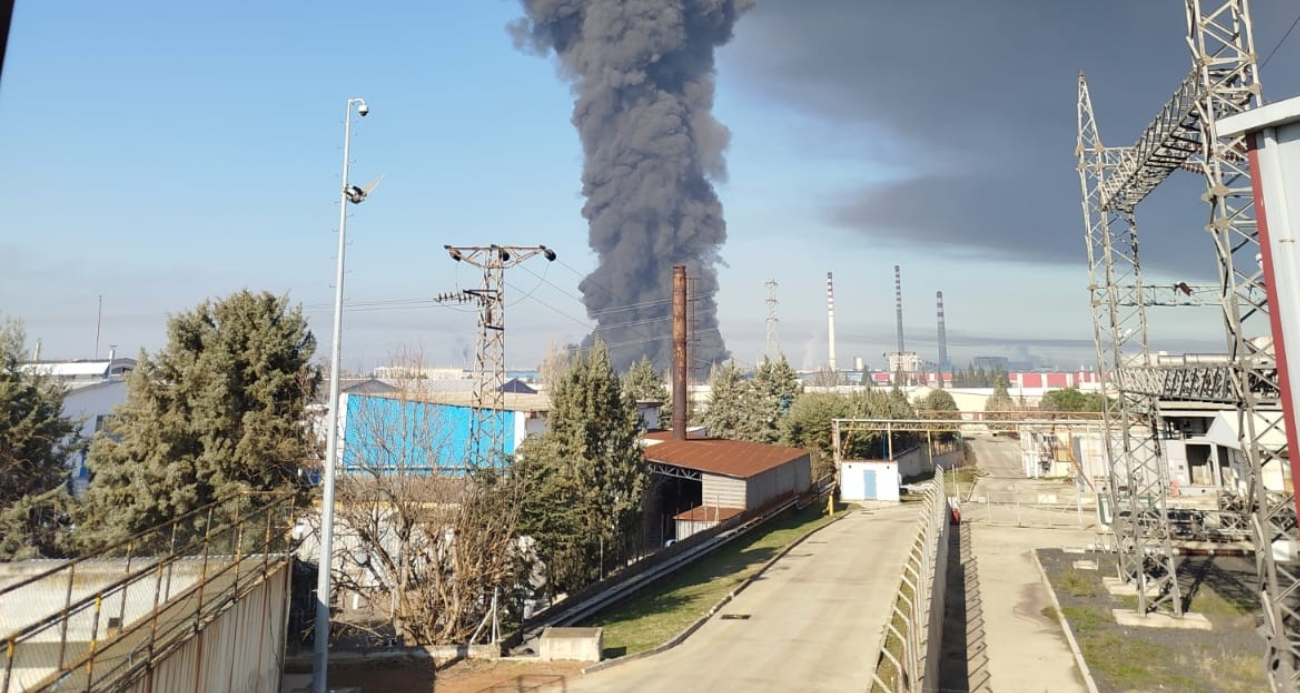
734 458
708 513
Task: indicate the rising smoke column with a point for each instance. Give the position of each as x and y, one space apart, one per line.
643 75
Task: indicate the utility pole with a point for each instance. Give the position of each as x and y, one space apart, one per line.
487 423
773 324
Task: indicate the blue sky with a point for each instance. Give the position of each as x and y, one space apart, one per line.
159 153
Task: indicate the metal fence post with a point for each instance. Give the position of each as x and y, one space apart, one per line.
121 612
203 575
67 604
94 640
9 663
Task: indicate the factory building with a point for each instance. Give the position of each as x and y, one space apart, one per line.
708 480
427 431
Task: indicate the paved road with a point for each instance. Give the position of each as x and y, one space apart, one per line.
1026 650
815 620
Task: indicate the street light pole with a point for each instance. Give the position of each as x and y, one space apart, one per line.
320 655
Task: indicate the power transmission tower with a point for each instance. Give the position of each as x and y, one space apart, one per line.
487 415
1138 475
773 324
1223 81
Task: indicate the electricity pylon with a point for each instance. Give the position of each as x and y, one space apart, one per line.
487 415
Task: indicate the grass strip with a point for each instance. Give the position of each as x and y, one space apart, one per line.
661 611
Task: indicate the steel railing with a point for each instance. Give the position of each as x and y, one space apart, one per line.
100 621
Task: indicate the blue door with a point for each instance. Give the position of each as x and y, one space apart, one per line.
869 484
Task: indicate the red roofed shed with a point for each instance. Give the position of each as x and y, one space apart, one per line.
733 473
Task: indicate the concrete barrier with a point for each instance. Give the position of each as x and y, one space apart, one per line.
573 644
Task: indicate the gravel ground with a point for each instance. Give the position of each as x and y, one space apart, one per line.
1227 659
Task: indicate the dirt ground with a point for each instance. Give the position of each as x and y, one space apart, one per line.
463 676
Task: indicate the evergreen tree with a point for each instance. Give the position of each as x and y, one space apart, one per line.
773 392
1071 399
728 392
643 384
999 401
808 425
218 412
941 406
586 475
939 401
35 443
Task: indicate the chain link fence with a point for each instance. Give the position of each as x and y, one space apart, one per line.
1028 505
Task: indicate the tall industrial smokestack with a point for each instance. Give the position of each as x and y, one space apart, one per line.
943 334
898 305
830 320
679 352
643 75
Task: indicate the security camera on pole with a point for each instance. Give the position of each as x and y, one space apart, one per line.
355 195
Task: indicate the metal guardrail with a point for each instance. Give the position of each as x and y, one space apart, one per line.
909 637
100 621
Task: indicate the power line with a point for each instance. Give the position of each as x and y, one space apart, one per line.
1281 41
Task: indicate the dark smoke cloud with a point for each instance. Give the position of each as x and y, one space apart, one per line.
976 101
643 75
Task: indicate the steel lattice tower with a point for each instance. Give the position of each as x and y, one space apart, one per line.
1223 81
773 323
1137 471
487 424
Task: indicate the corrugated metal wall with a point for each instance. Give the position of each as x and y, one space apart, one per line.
722 491
791 478
242 651
382 432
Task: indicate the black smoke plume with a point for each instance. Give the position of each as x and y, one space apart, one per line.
643 76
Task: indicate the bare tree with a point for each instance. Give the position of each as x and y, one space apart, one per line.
827 377
428 554
554 363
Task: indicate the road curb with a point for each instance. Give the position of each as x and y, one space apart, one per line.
689 630
1065 626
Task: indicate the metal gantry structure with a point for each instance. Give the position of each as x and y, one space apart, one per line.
487 427
1223 81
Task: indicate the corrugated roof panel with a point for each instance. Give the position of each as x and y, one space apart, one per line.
69 369
735 458
708 513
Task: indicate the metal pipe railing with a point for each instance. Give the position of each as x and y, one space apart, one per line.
151 620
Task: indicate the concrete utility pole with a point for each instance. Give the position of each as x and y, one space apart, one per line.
487 426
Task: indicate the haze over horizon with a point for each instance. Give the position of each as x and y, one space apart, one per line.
160 154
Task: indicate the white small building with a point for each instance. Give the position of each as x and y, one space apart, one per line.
94 389
865 480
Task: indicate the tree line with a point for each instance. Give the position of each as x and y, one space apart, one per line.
220 411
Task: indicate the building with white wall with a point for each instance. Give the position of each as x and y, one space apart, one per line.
94 389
